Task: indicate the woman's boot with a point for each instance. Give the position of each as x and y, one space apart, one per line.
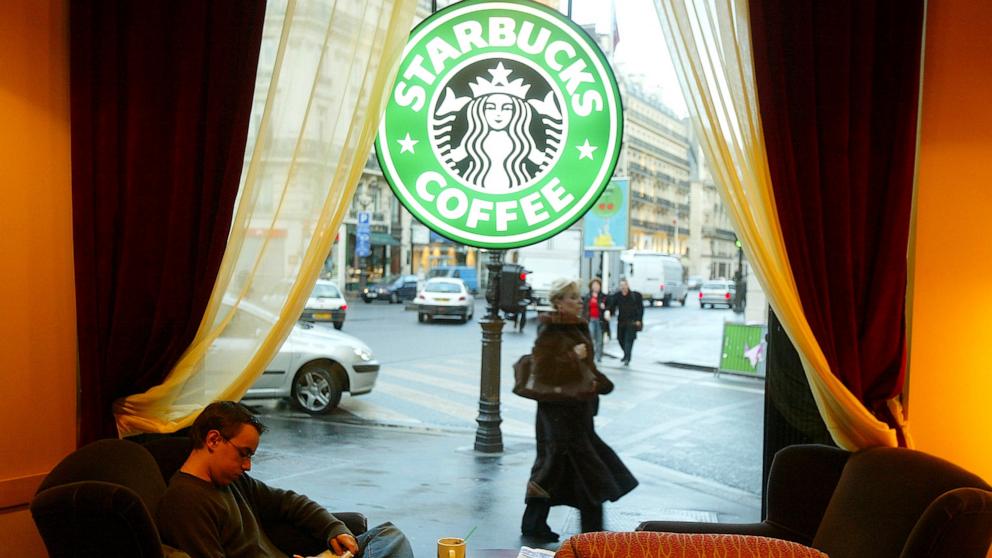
592 518
535 521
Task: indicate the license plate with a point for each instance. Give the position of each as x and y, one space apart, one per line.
322 316
373 295
442 299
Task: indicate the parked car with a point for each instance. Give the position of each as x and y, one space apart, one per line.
314 366
393 289
694 282
467 274
717 292
443 297
326 304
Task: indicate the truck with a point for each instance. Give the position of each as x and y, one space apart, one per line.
656 275
557 257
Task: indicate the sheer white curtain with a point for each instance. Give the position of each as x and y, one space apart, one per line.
325 71
710 44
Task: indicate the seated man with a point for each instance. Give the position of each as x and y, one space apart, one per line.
212 509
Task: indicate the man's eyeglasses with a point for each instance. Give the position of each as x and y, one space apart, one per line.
245 453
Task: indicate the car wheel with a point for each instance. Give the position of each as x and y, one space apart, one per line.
367 300
667 300
316 388
464 318
338 325
421 317
393 299
682 302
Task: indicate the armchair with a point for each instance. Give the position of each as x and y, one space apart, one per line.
101 501
878 503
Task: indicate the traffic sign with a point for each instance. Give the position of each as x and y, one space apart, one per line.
363 244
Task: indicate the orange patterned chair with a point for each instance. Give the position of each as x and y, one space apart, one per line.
647 544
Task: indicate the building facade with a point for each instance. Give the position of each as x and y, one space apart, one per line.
656 159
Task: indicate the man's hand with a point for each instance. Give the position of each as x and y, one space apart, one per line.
339 544
344 542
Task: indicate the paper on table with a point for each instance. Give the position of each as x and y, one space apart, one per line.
528 552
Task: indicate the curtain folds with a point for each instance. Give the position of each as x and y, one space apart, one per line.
324 74
840 135
710 44
161 97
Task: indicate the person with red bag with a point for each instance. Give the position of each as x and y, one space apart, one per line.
574 467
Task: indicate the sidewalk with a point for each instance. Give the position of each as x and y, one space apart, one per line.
432 484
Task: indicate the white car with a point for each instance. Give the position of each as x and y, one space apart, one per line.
314 366
444 297
326 304
717 292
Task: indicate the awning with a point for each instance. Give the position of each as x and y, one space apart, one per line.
384 239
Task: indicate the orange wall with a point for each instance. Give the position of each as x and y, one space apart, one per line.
951 344
37 305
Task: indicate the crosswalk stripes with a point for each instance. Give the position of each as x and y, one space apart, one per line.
428 391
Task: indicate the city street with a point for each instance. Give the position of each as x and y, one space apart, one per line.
430 378
694 437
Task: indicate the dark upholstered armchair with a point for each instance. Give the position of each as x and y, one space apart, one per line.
101 501
875 503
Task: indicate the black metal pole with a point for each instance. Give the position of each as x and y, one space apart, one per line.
489 437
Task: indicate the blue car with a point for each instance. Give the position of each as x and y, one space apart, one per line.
392 289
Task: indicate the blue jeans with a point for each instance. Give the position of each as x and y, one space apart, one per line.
596 330
384 541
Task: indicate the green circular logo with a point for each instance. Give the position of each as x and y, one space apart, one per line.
504 126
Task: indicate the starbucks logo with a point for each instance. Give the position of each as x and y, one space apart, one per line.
504 125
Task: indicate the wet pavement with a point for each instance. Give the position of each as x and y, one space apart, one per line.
432 484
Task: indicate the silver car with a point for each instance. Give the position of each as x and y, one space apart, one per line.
717 292
313 367
444 297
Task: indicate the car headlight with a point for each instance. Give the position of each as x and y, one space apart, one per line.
363 353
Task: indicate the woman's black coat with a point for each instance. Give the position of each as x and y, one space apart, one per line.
574 466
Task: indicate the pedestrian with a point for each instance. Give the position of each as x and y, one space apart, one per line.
213 508
574 467
594 311
628 307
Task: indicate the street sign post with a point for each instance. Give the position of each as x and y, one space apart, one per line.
363 235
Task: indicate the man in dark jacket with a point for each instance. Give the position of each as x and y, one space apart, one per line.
213 509
628 307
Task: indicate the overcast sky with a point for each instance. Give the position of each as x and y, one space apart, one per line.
641 49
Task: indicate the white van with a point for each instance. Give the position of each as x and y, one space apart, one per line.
656 275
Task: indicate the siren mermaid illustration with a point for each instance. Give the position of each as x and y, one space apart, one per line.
498 150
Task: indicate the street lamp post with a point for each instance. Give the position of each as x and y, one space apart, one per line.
488 437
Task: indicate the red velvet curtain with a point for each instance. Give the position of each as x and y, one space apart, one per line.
161 95
838 86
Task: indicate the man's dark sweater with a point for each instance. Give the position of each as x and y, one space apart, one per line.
207 521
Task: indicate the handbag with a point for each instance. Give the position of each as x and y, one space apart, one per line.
529 383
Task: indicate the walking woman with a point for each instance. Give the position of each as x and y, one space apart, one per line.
574 467
594 311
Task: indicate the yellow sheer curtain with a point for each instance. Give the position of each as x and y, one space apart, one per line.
325 71
709 41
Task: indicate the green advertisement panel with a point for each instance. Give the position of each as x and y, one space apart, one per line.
504 125
743 350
